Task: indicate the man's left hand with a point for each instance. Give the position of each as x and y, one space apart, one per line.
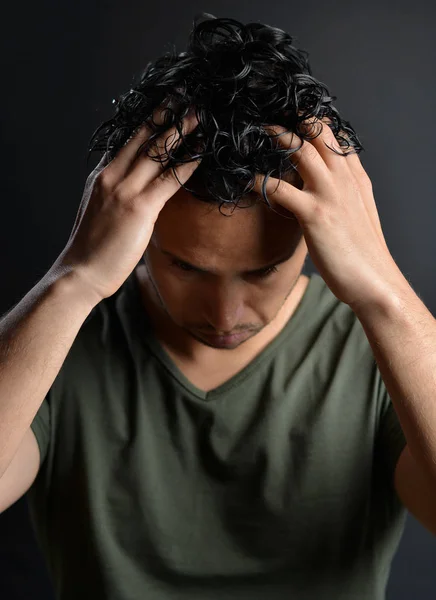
337 213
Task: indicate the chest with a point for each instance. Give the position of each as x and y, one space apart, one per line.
243 488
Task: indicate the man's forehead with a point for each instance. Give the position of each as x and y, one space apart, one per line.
185 216
245 241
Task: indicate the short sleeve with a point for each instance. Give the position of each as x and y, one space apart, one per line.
41 429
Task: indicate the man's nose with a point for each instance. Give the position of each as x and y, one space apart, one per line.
224 310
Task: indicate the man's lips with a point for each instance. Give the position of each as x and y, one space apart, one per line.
226 339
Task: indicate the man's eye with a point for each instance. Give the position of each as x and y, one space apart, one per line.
267 272
182 266
189 269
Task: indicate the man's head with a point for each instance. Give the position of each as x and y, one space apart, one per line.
238 79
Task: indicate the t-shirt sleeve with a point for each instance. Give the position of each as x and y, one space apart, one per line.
41 428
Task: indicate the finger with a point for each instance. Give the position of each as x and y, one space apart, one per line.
87 192
162 188
365 185
325 142
307 160
285 194
145 169
121 164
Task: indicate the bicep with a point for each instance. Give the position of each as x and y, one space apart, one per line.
416 491
21 472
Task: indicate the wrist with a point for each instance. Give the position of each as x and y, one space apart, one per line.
66 282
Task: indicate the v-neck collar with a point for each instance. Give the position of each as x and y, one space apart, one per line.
142 327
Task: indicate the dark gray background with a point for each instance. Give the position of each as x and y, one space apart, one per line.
62 63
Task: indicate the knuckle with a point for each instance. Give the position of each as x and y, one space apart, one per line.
120 194
311 152
125 194
103 180
365 179
167 175
319 213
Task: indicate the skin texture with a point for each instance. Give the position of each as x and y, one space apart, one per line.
185 306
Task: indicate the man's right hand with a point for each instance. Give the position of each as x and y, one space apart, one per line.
120 205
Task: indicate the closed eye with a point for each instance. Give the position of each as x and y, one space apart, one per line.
183 266
187 268
266 272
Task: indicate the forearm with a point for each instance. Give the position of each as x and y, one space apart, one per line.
35 337
402 335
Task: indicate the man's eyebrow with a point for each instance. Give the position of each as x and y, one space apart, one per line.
200 270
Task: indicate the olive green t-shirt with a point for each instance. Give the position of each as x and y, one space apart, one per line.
278 484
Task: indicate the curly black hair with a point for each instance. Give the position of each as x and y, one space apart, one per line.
238 78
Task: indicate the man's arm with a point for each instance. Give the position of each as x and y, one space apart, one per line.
402 334
416 490
35 338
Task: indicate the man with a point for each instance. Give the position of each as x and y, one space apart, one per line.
195 417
